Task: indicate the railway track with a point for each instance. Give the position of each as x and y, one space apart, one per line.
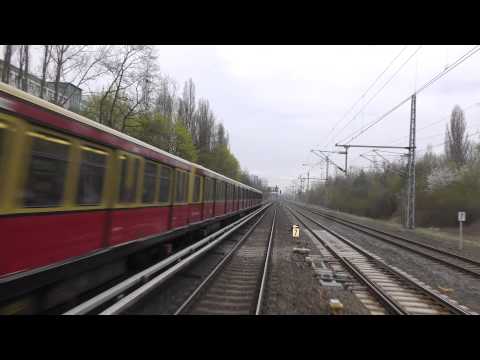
236 285
124 295
458 262
382 288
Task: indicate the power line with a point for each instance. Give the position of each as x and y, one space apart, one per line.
443 143
460 60
366 91
434 123
384 85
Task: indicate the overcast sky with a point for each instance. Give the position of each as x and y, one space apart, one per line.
279 102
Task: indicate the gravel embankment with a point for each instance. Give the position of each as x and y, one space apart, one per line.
292 286
466 289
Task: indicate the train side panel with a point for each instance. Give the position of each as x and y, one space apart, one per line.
135 223
37 240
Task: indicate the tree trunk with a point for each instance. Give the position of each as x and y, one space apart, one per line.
46 61
6 65
26 59
58 71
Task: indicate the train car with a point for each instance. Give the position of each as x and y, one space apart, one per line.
73 190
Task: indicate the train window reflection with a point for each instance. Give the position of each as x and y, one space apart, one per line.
220 191
181 187
208 189
164 192
197 188
91 178
47 172
133 189
3 133
149 182
123 198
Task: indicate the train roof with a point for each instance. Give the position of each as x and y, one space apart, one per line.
10 90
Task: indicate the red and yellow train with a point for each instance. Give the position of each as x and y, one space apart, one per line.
72 189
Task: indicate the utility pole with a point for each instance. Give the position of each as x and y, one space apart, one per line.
321 154
411 167
327 163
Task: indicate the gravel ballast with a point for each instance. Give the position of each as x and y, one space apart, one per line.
466 288
470 249
292 286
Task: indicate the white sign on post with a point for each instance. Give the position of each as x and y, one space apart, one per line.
462 216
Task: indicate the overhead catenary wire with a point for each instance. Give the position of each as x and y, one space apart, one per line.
469 107
444 142
460 60
366 92
380 90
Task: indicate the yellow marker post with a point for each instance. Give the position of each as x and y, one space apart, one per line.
295 232
336 307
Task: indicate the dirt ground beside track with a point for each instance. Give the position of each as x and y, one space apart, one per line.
292 287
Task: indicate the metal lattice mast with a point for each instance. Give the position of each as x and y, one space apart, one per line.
411 168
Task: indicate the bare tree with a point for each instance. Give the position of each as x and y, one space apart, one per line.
186 109
205 125
23 67
457 145
47 56
166 95
133 79
76 64
7 58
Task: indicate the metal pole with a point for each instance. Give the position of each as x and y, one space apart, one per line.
328 161
461 235
411 168
308 180
346 159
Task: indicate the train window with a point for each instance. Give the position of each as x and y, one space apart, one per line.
3 131
220 191
128 189
207 192
47 171
149 182
91 177
123 198
136 170
206 188
3 136
165 176
181 187
197 189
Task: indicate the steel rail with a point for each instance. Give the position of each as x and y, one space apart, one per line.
265 267
388 302
141 277
186 304
371 231
451 307
390 305
138 294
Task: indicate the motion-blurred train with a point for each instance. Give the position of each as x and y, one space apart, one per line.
77 195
